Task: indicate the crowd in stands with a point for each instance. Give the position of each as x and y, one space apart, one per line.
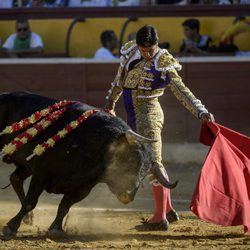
70 3
25 43
193 43
109 3
219 2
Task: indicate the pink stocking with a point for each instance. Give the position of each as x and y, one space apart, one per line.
159 193
168 198
162 200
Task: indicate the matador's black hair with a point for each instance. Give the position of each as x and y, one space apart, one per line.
147 36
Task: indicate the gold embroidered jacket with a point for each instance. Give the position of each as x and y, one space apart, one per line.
150 78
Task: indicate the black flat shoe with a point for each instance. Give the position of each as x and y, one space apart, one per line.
146 226
172 216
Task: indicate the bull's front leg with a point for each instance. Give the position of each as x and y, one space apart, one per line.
17 179
35 189
67 201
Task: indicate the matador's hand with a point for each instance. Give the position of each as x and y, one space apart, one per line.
207 117
110 106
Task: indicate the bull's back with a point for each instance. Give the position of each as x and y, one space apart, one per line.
81 151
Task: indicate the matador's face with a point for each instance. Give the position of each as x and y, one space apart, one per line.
148 52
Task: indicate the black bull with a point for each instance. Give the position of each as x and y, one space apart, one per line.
103 149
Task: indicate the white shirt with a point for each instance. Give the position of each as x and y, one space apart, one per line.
35 41
104 53
6 3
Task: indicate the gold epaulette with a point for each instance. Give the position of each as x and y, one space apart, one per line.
128 47
164 61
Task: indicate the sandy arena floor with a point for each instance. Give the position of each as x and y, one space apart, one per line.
101 222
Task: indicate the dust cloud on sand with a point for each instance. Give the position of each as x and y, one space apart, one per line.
102 222
92 229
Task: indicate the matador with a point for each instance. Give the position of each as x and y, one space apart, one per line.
145 72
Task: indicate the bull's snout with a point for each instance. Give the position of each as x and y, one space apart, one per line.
127 196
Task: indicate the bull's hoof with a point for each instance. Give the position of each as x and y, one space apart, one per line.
28 219
8 159
7 232
56 233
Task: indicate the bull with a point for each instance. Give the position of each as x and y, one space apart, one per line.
102 150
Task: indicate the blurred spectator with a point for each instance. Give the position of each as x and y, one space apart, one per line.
195 1
89 3
244 1
6 3
45 3
194 41
177 2
35 3
54 3
126 2
226 42
105 3
20 3
239 26
24 42
109 43
224 2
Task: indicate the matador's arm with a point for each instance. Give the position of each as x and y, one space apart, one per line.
116 89
184 95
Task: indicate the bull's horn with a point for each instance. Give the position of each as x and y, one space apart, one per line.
161 178
133 137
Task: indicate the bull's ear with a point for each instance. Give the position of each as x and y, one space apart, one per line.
133 138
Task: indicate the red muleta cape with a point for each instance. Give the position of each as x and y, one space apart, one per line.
222 193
